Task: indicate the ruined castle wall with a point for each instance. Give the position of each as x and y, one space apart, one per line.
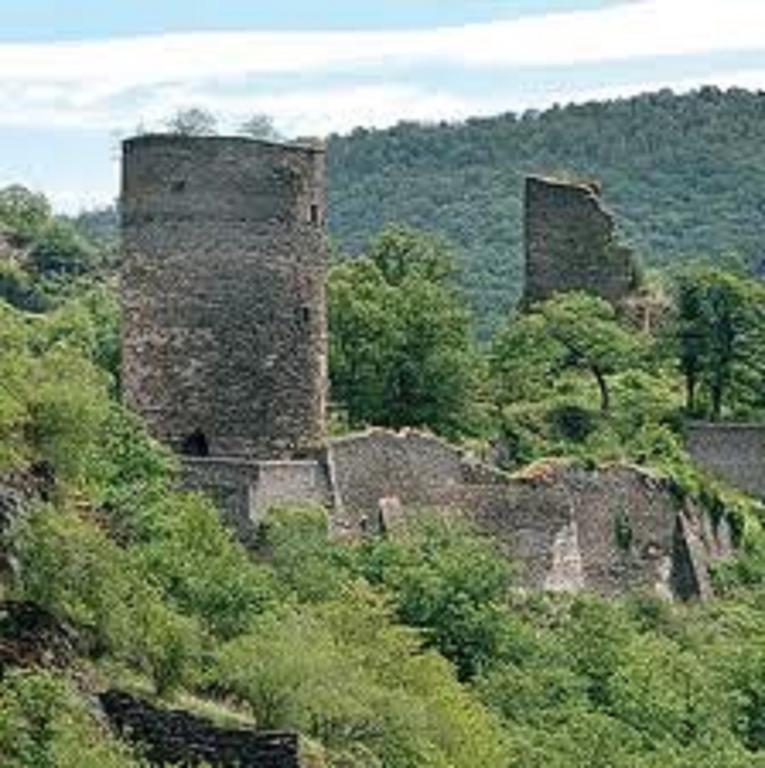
417 468
230 483
223 293
571 243
733 452
282 483
609 531
244 490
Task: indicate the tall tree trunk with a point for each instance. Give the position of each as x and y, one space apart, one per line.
605 397
690 392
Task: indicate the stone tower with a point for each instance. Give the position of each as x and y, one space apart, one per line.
223 281
571 243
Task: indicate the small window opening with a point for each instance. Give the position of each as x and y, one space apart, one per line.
178 186
196 445
314 214
305 314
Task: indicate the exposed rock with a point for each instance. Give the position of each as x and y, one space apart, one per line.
31 636
179 738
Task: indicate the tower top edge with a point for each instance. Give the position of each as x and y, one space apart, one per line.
309 144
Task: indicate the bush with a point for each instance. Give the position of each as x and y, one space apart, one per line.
43 724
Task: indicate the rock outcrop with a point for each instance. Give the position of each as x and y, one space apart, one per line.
180 738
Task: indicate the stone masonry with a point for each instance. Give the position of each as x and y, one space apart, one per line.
174 737
223 293
734 453
571 244
225 357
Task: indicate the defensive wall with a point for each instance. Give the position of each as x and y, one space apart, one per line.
608 530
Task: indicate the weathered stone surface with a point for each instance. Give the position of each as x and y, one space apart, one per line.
733 452
610 530
30 636
245 490
414 467
179 738
19 491
224 342
571 243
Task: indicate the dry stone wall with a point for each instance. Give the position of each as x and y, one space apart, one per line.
172 737
733 452
223 294
571 243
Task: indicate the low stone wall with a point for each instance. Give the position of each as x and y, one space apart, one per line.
611 530
245 490
179 738
733 452
416 468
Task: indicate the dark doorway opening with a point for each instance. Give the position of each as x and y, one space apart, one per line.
315 214
196 445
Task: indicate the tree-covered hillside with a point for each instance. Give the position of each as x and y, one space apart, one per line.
684 174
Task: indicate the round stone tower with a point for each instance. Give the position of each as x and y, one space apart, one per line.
225 258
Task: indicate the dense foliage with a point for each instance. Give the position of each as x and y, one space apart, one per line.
403 652
684 174
401 342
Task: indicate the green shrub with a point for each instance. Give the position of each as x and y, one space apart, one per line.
43 724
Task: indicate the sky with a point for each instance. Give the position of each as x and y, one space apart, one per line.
76 76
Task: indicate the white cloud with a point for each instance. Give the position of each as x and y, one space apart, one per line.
70 81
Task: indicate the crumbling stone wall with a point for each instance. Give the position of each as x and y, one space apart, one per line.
571 243
414 467
733 452
173 737
244 490
610 530
224 245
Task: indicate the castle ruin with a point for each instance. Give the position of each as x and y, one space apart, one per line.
571 243
223 285
225 358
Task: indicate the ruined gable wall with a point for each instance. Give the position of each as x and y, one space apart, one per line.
733 452
223 292
571 243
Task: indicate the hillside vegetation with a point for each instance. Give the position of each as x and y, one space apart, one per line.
685 176
413 651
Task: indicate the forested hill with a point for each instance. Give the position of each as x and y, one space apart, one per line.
684 174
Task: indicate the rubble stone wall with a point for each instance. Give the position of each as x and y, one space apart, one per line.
571 243
223 286
173 737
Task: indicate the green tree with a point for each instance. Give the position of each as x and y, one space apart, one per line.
401 349
719 332
572 330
